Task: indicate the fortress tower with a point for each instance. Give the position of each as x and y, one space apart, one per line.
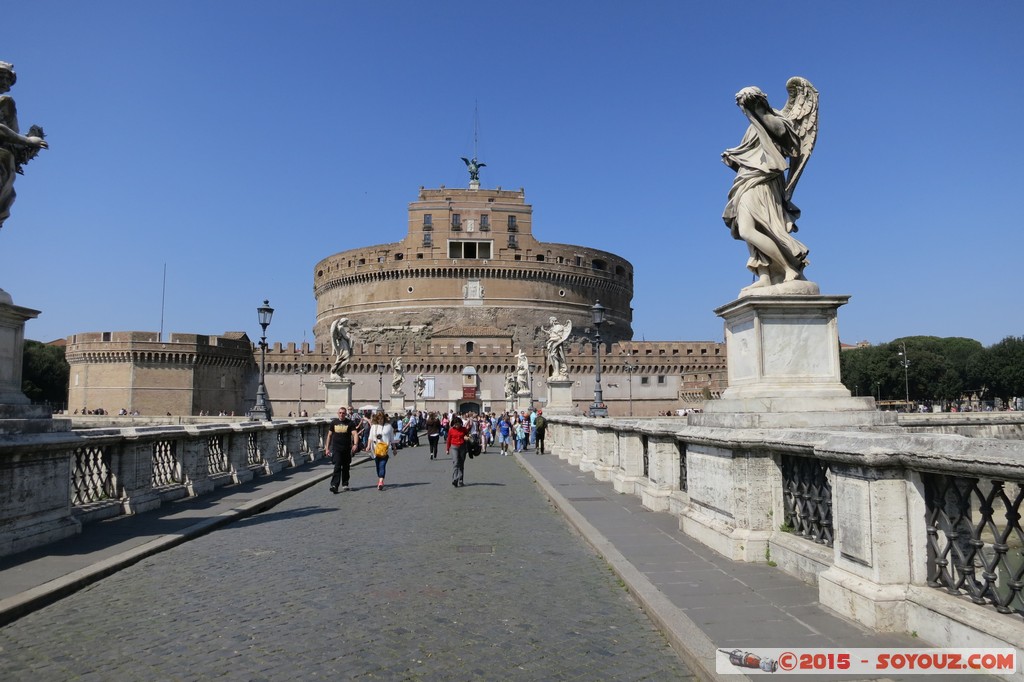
470 260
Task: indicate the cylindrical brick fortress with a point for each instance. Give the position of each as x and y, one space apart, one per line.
470 260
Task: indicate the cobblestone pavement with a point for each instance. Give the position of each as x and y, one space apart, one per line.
421 581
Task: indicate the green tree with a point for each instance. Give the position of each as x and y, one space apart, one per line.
938 368
1004 369
44 374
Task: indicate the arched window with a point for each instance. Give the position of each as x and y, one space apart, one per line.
469 346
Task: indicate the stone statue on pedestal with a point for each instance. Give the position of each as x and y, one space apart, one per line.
558 334
522 372
16 149
760 210
397 376
341 346
420 384
510 386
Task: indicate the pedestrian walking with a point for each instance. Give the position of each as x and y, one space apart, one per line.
457 434
504 434
540 427
340 445
382 445
433 433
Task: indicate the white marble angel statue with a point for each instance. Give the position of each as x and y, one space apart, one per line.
522 372
341 346
510 386
397 376
760 210
558 334
420 384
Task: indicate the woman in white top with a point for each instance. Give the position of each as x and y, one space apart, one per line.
381 431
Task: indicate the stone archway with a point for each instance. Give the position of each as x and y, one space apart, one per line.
464 406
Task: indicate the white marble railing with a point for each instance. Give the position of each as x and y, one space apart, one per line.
51 483
907 532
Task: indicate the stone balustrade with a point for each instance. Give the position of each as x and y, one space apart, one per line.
52 483
901 531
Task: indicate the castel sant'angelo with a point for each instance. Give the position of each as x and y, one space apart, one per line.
454 302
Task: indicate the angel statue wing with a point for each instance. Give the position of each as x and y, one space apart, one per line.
566 330
801 111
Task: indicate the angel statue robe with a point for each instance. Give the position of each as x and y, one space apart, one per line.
760 162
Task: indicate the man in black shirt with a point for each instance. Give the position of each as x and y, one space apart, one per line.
340 445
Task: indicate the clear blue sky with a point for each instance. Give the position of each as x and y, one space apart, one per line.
241 142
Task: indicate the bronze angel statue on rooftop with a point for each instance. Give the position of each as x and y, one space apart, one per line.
768 163
473 166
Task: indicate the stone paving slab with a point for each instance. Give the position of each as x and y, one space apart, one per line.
421 581
41 575
715 603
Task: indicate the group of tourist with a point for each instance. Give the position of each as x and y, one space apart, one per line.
467 435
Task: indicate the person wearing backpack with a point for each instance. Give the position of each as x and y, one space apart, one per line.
381 445
540 426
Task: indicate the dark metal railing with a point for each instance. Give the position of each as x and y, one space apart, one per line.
91 478
807 498
975 540
166 465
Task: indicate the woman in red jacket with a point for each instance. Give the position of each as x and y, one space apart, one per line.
457 434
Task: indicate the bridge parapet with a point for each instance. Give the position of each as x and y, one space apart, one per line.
50 484
902 532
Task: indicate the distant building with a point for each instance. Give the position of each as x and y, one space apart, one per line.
470 259
456 299
184 375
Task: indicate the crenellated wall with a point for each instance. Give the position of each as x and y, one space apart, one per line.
137 371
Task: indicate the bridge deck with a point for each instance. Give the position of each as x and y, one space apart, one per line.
420 581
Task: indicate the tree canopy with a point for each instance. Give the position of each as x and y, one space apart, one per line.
44 374
938 369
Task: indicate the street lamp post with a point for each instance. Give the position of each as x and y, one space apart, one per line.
905 361
380 381
629 368
598 409
301 370
261 411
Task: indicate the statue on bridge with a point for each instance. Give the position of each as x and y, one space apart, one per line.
510 386
522 372
397 376
760 210
16 149
558 334
341 346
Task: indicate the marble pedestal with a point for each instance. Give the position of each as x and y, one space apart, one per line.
559 396
17 414
35 469
339 394
12 344
524 401
397 403
783 366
